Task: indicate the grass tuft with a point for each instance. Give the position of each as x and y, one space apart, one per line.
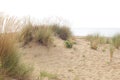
68 44
100 39
43 35
116 40
9 58
95 40
63 32
26 33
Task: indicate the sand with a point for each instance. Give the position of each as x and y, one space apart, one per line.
79 63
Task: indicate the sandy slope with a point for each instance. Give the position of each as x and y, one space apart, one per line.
78 63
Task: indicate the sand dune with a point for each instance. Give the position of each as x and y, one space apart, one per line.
78 63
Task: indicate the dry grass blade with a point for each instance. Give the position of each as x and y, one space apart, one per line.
9 58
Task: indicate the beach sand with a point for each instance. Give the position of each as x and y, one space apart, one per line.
78 63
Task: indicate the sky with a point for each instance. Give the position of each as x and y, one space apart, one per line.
75 13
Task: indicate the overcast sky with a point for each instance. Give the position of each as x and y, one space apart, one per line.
76 13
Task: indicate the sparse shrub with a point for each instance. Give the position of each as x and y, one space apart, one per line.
62 31
44 35
9 59
68 44
116 41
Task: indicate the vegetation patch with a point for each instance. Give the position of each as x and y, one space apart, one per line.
95 40
68 44
63 32
44 35
9 59
39 33
100 39
116 40
26 34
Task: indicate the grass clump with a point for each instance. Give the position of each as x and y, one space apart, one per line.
26 34
116 40
100 39
44 74
56 29
43 35
68 44
63 32
95 40
9 59
39 33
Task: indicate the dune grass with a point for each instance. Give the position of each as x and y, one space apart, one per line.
10 23
99 38
116 40
9 58
63 32
95 40
44 35
26 34
39 33
56 29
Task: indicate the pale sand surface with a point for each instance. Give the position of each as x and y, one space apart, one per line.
79 63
